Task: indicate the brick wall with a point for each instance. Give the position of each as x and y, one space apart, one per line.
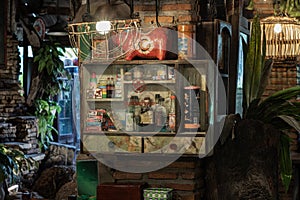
11 99
263 7
16 130
283 75
170 12
185 176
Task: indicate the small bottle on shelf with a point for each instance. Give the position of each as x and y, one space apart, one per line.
112 87
118 87
137 116
191 108
108 88
157 96
129 115
93 81
172 115
147 117
160 115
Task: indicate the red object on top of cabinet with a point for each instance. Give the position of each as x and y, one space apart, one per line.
117 191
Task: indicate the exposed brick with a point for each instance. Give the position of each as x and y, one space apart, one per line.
183 187
190 197
281 69
292 74
144 8
162 175
263 7
292 82
277 81
188 175
173 7
185 18
123 175
189 165
161 19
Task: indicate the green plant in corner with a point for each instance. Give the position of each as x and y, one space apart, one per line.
9 163
50 68
279 109
12 164
45 85
46 112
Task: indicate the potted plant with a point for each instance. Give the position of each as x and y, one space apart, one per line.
247 166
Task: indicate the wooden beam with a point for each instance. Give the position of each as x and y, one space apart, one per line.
234 56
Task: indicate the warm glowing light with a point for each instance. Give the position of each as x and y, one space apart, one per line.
103 27
277 28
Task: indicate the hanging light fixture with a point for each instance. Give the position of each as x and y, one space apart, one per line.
282 35
92 35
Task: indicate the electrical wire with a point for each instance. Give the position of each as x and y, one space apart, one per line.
156 13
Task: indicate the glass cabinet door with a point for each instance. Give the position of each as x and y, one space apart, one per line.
68 99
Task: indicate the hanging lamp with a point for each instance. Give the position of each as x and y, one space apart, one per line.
282 35
91 36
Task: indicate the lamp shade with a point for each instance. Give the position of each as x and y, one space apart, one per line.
282 36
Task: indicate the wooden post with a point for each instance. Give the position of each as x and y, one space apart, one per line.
234 55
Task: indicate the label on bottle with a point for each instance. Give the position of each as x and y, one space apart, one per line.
172 121
104 93
147 117
129 122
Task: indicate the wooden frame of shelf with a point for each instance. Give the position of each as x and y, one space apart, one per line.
181 66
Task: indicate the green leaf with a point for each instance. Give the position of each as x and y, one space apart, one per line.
265 77
285 161
291 121
250 63
41 66
37 58
250 5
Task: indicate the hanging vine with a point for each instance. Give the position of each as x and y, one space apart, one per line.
290 8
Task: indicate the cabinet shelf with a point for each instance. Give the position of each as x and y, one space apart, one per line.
146 62
146 155
153 82
146 134
173 78
104 99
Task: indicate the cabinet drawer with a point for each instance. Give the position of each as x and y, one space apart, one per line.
186 145
101 143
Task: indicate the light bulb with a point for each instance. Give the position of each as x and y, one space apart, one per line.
103 27
277 28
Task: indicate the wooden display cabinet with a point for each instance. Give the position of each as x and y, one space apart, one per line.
118 124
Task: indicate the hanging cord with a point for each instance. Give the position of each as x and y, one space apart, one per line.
56 10
156 13
86 17
131 9
277 11
88 9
